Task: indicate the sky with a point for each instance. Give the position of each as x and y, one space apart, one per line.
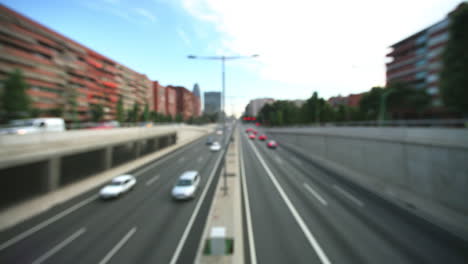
333 47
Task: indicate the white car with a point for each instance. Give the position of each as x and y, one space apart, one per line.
118 186
33 125
187 186
215 146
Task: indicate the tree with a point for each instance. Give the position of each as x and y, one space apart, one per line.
370 103
169 119
146 114
403 99
454 75
97 112
129 116
70 105
135 114
15 101
179 118
120 110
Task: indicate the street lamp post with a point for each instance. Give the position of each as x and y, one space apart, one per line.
223 62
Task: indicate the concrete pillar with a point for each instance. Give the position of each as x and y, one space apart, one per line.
156 144
53 168
137 148
106 158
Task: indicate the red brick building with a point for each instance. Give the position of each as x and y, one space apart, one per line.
417 59
61 71
184 102
171 101
159 98
350 100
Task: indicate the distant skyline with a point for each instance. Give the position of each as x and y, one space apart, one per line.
333 48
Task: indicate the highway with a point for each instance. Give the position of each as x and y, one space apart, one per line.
298 213
143 226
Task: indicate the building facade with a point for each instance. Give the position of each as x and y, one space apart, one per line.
256 105
171 101
159 98
212 102
196 100
64 76
184 102
417 59
350 100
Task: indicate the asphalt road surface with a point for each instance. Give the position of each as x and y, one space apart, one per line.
299 213
143 226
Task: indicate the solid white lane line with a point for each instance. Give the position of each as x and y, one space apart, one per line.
176 254
46 222
118 246
310 237
150 181
315 194
58 247
253 254
348 195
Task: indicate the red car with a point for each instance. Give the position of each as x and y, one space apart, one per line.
249 130
272 144
262 137
255 132
252 136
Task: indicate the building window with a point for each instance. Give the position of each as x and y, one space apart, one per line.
432 78
438 39
437 102
436 52
433 90
421 75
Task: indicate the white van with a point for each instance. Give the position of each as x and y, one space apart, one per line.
34 125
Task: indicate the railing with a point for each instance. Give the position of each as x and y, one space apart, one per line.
453 123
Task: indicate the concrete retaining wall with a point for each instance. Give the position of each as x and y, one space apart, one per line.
429 165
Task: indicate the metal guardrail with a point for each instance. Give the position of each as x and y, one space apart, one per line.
454 123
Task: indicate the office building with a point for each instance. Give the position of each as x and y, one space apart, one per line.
256 105
212 102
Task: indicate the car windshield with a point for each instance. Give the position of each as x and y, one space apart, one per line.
184 182
20 123
116 183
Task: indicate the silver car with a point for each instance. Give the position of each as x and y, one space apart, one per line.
118 186
187 185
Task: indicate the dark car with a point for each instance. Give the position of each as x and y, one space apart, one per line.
209 141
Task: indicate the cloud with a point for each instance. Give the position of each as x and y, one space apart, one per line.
145 13
184 37
330 46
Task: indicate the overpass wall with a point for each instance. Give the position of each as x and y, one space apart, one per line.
424 166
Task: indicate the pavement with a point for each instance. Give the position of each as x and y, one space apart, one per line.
300 213
20 212
226 211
